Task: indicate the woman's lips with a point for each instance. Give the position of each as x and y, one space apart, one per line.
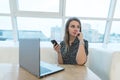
74 33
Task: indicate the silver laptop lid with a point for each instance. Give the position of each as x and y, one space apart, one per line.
29 57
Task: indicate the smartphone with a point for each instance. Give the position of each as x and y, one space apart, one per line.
80 31
54 42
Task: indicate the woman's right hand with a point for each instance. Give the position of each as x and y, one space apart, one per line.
57 48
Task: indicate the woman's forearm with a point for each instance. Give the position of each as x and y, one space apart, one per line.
81 57
60 60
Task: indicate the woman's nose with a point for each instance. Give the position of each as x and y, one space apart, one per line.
76 30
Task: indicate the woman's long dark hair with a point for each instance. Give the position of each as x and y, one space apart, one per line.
67 36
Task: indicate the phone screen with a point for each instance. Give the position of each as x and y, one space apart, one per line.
54 42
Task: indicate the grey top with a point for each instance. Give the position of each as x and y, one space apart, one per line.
69 56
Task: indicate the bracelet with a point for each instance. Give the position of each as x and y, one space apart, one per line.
81 43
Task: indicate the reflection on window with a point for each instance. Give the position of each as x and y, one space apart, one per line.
115 32
93 31
4 6
43 28
87 8
5 29
39 5
117 10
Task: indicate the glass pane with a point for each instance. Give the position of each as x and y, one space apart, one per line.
43 28
4 6
87 8
39 5
115 32
93 30
117 10
5 28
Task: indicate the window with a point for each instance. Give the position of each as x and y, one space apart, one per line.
93 30
4 6
5 28
43 19
43 28
115 32
39 5
117 10
87 8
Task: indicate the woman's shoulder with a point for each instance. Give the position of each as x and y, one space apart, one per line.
86 43
85 40
62 43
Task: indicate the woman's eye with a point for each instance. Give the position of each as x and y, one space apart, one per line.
72 26
78 26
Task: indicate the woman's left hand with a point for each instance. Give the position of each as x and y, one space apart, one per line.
80 36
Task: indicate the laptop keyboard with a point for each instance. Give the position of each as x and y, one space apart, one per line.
44 70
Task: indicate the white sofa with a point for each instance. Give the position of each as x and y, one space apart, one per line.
103 62
9 54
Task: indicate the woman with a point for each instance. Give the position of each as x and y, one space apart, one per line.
73 49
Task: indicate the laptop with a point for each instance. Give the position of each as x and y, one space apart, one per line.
29 59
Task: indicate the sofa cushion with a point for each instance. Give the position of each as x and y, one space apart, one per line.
115 68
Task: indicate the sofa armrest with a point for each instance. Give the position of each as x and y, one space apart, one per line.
115 68
100 61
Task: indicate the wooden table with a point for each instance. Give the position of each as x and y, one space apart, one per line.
71 72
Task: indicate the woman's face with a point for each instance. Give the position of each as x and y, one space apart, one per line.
74 28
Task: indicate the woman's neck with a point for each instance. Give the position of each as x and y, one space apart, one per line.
71 40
